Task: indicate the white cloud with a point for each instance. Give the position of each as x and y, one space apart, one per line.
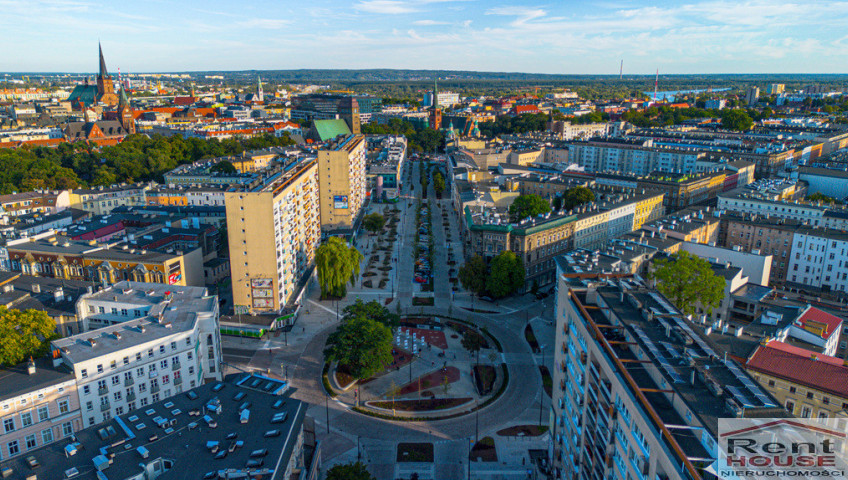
386 7
429 22
269 23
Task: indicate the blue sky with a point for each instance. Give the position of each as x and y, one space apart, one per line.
570 37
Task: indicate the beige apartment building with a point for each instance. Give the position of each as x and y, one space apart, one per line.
342 182
274 228
38 406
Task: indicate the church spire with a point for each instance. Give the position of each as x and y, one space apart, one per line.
122 100
436 93
103 71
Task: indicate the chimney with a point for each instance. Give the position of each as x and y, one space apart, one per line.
31 366
58 294
36 288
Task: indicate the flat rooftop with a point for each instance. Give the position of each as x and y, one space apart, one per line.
691 366
183 443
170 309
15 381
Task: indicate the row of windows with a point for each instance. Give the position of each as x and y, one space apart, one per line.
27 419
150 352
30 441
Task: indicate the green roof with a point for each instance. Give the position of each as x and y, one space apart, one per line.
328 129
517 229
86 93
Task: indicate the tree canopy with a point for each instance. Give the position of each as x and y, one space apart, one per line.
338 264
420 139
224 167
349 471
362 345
373 222
689 282
138 158
473 342
24 334
735 119
574 197
472 275
506 274
372 310
528 206
438 183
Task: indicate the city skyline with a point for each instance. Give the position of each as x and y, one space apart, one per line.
709 36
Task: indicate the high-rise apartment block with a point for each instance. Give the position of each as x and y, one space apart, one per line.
638 388
342 181
752 96
160 340
274 228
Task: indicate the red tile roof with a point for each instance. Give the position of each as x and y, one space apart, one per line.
801 366
830 322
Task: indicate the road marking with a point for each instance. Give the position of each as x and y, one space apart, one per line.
320 306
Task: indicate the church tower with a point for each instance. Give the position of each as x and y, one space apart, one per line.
260 96
105 88
125 115
435 111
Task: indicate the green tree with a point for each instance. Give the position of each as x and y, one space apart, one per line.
734 119
24 334
338 264
438 183
689 282
820 197
528 206
374 222
224 167
506 274
362 345
372 310
473 342
349 471
576 196
472 275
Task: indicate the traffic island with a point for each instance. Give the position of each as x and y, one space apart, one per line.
484 450
415 452
524 431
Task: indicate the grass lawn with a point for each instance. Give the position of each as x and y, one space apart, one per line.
415 452
547 381
422 405
531 339
485 450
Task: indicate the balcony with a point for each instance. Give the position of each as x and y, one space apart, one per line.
178 380
128 382
154 389
103 391
130 397
104 407
175 366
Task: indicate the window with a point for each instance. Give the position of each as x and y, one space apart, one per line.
30 442
13 448
126 360
64 407
43 413
138 356
89 406
188 341
173 345
771 383
26 419
113 365
150 352
68 429
117 395
791 389
139 372
790 406
806 412
46 436
164 364
9 425
810 395
161 348
84 373
100 369
116 380
143 402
